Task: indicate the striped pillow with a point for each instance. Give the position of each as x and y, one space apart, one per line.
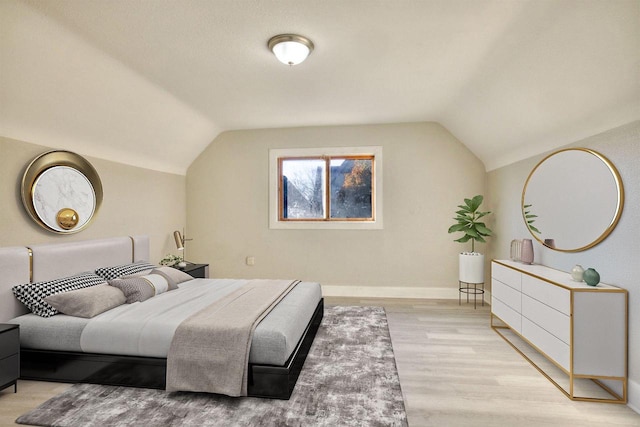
116 271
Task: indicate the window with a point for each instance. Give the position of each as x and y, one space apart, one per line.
326 188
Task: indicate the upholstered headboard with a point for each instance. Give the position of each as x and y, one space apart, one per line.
14 270
55 260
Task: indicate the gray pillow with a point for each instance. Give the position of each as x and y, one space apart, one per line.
138 289
87 302
173 276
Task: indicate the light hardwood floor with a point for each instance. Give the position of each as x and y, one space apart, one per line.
454 371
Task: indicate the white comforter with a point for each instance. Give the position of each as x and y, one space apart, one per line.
147 328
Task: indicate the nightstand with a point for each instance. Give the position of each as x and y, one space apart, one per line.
198 271
9 356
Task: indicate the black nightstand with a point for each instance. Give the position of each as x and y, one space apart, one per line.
198 271
9 356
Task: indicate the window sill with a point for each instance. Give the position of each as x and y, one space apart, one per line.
326 225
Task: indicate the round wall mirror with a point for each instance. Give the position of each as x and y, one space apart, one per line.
572 199
61 191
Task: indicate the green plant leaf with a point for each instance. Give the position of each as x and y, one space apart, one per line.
456 227
471 205
463 239
475 202
472 232
483 230
529 218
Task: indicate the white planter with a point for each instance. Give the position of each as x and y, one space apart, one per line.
471 267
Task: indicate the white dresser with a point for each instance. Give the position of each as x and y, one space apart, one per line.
581 329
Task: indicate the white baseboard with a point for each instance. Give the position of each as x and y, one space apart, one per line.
633 395
393 292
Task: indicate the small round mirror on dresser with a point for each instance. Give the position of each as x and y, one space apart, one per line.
61 191
572 199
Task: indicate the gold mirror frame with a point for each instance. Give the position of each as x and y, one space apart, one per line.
67 217
611 223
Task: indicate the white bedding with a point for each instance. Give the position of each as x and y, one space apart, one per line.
147 328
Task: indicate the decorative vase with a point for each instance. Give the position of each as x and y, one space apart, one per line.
516 246
591 276
526 254
577 273
471 267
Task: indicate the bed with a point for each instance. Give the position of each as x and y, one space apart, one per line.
272 369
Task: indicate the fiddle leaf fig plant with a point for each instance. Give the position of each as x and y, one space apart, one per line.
468 221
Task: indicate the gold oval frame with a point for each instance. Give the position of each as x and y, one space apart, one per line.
619 205
47 161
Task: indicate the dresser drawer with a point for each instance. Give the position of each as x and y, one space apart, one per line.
506 294
547 343
508 276
549 319
9 369
506 314
551 295
9 342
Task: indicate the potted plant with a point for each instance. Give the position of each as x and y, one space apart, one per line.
170 260
471 267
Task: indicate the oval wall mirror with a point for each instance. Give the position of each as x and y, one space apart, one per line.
61 191
572 199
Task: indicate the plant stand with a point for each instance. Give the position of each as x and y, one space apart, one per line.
470 289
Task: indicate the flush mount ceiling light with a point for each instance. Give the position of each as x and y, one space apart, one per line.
290 49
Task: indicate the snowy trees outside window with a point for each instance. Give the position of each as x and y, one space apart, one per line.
326 188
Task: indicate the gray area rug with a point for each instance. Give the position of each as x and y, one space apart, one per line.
349 379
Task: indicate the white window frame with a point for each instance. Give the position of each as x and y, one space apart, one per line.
276 153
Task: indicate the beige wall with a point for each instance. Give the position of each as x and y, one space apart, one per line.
427 173
136 201
616 258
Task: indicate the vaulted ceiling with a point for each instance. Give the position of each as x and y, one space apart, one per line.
153 82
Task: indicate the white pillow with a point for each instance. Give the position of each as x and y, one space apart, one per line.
159 282
173 276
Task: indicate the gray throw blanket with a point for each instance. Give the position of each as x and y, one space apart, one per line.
210 350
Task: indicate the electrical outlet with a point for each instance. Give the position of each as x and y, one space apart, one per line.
251 260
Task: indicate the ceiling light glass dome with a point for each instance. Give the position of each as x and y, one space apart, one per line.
290 49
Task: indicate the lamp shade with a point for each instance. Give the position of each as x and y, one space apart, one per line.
290 49
179 241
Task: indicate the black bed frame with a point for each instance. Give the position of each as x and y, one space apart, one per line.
270 381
